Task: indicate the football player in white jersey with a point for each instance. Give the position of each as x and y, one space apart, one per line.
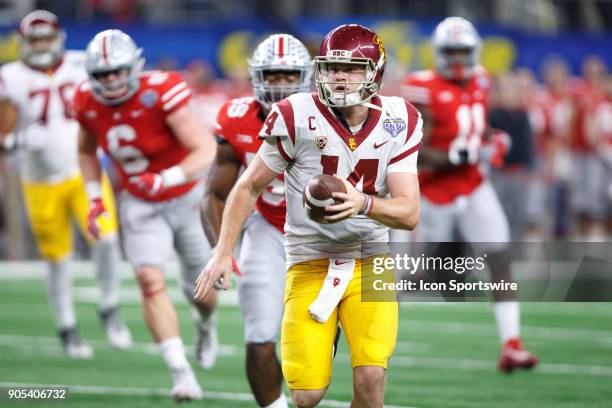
370 142
34 101
280 66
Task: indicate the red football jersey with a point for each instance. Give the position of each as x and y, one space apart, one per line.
239 121
458 115
135 133
600 120
586 96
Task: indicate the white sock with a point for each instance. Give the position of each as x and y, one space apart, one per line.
59 287
281 402
507 316
173 352
105 254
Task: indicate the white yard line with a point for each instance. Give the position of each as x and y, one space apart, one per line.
162 392
486 365
483 329
50 346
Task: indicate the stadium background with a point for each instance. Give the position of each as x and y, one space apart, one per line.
446 353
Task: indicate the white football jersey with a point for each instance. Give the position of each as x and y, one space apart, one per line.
46 134
305 139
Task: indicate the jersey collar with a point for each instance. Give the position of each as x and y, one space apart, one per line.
351 140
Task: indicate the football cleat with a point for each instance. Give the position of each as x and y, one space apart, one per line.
513 355
207 343
117 333
73 345
186 387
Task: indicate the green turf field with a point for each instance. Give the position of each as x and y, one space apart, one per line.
445 357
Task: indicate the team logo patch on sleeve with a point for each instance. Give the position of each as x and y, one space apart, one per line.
394 126
149 98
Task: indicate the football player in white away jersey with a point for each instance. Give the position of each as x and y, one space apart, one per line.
370 142
34 104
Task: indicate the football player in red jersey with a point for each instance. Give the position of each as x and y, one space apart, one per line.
590 177
453 100
280 66
142 121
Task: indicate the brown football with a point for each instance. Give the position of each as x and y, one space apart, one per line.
318 194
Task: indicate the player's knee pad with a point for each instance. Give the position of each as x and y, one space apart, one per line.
151 280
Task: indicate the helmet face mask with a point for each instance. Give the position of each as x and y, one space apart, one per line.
113 82
358 86
277 55
457 48
269 91
114 64
350 66
41 39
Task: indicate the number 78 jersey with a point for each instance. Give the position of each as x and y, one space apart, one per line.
46 131
305 139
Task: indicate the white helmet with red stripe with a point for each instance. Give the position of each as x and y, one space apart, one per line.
457 48
113 53
279 52
34 29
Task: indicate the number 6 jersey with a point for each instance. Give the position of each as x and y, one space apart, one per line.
304 139
46 134
135 133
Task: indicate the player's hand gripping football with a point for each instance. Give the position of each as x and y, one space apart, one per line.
96 209
149 183
216 273
352 203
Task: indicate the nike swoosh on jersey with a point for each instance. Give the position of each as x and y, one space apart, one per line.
376 146
341 263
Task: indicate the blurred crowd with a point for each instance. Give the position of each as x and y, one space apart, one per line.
557 178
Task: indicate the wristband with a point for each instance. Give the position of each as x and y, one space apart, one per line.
93 190
367 205
173 176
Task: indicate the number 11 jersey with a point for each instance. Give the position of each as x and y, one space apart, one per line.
304 138
459 118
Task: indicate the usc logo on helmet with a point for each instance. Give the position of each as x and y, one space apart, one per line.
381 47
